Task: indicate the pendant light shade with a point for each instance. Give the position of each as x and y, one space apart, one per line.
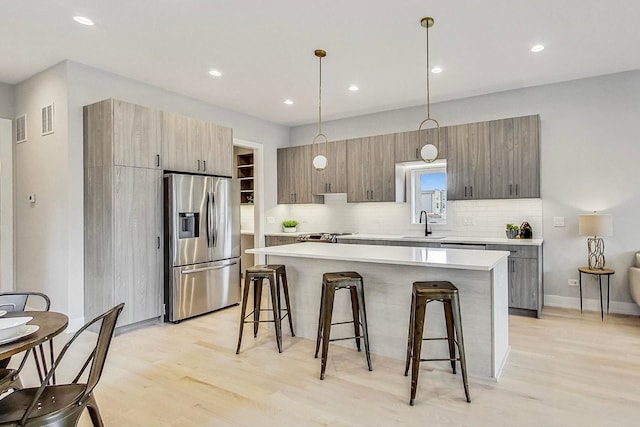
319 160
429 151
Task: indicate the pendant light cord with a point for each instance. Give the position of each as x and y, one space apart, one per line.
428 103
320 100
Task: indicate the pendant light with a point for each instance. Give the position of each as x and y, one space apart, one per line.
429 151
319 161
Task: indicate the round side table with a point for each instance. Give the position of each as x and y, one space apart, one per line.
597 272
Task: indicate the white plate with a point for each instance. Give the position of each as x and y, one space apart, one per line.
2 313
9 325
21 332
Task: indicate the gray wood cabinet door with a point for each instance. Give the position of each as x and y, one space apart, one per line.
217 151
502 159
279 240
137 136
371 169
408 144
294 175
468 161
523 283
526 153
332 179
138 266
180 150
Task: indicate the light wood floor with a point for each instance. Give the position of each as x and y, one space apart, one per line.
565 369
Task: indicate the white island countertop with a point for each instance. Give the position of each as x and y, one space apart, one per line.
464 259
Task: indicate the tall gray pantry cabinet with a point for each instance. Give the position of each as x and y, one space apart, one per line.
124 159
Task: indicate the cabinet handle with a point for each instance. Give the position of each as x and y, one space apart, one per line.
198 164
513 266
510 188
291 197
326 186
157 160
329 187
471 191
158 242
417 157
204 165
516 189
465 191
295 197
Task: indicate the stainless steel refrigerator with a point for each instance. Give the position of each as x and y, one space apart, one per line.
202 244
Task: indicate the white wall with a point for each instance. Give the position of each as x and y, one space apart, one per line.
6 206
7 100
41 165
50 234
590 151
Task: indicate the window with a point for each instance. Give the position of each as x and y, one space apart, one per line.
429 192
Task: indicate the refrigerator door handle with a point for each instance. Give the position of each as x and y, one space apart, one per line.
217 267
214 220
207 214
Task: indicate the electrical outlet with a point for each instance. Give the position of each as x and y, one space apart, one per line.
558 221
573 282
271 220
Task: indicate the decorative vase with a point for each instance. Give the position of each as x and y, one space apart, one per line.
511 234
289 229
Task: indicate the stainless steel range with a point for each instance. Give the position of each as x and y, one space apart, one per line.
320 237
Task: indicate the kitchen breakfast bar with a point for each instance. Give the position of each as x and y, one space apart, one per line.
388 273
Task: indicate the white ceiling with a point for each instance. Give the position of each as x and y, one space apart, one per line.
265 48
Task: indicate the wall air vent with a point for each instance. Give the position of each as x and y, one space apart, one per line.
21 128
47 119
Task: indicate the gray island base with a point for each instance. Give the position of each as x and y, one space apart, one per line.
388 273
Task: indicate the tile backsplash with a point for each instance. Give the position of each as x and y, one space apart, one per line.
481 218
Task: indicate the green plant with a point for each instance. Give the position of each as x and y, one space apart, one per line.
290 223
512 227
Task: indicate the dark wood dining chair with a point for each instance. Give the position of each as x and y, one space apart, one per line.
61 405
19 301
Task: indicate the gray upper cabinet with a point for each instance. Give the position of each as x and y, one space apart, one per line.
468 161
408 145
332 179
515 157
191 145
123 134
294 175
371 169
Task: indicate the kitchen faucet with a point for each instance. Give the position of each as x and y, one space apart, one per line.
426 223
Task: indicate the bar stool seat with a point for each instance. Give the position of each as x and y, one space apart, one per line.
277 276
424 293
331 282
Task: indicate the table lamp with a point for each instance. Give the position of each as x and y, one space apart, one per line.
596 225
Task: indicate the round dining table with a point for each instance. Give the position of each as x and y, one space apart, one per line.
50 324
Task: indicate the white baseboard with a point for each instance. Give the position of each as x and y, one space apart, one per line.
616 307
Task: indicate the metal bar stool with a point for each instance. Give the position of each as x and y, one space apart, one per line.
331 282
424 293
277 276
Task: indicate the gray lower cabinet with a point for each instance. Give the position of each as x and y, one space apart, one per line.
382 242
525 277
279 240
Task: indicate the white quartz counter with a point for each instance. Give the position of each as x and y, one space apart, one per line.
449 239
465 259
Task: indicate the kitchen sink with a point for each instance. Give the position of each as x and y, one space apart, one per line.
424 237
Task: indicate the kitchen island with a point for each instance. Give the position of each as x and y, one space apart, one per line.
388 273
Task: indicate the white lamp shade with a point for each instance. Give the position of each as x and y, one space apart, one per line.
429 152
595 225
319 162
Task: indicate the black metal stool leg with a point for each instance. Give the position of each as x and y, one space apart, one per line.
243 311
420 312
285 288
580 284
410 338
257 303
601 307
457 321
320 319
273 286
448 315
326 327
363 317
355 311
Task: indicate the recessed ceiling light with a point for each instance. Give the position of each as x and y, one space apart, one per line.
288 101
354 88
436 70
215 73
537 48
83 20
